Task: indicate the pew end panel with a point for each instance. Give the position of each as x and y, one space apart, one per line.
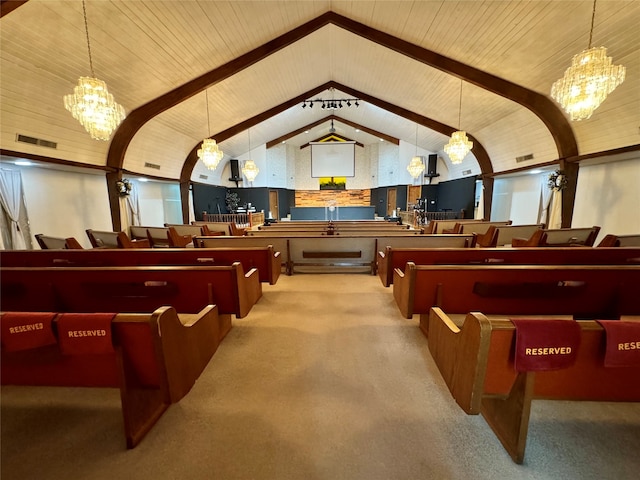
475 358
157 358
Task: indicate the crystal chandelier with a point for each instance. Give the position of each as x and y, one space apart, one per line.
588 81
459 145
416 166
209 152
91 103
250 169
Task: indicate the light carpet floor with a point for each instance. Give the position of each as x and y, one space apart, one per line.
322 381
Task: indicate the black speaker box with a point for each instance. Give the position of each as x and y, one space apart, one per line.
432 165
235 169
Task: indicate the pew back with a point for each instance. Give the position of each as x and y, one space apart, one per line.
264 259
133 289
393 258
585 291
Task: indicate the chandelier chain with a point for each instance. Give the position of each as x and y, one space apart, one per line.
86 30
593 18
460 107
206 99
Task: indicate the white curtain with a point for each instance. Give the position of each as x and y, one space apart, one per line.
11 201
546 194
480 210
133 203
555 217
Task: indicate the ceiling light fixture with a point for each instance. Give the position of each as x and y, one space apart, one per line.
459 145
588 81
250 169
209 152
91 103
416 165
331 104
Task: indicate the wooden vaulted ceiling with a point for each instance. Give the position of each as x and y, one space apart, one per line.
259 60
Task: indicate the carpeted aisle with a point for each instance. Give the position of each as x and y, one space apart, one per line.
323 380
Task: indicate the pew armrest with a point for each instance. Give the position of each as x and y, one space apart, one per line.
187 342
382 266
461 354
404 289
249 289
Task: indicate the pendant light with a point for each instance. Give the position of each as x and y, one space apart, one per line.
91 103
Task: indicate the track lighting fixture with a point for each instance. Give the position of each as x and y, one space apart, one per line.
332 104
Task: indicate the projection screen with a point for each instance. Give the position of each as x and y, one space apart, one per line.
333 159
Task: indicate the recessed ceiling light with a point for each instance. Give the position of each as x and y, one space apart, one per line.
23 163
306 131
143 179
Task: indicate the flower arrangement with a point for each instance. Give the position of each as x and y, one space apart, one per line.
124 187
232 200
557 180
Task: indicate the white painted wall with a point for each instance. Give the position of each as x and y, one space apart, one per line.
608 195
518 198
64 203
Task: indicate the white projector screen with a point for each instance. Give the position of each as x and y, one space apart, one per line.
333 159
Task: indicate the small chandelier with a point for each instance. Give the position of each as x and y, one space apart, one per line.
459 145
209 152
588 81
91 103
250 169
416 166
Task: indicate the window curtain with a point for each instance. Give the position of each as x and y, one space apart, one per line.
546 194
132 207
480 209
16 234
555 217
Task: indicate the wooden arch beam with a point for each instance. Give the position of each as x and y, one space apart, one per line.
540 105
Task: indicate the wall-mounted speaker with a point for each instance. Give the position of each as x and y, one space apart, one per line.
235 169
432 165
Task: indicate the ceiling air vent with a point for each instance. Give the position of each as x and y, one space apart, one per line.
204 177
524 158
466 172
35 141
151 165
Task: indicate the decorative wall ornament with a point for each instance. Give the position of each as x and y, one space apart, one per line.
557 180
124 187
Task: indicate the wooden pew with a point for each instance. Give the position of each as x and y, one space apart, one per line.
267 261
397 258
157 359
103 239
500 236
54 243
438 226
620 241
133 289
475 358
331 251
334 233
560 237
225 228
478 228
279 244
588 290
